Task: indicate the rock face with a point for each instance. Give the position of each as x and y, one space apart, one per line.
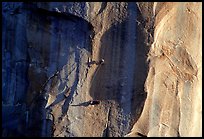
173 106
148 85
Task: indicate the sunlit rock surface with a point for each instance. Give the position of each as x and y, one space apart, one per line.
174 99
149 83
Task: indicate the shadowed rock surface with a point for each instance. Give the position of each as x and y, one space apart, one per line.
148 85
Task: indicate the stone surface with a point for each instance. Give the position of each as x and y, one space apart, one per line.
173 106
149 83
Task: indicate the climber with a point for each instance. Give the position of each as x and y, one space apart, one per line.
94 102
101 62
50 115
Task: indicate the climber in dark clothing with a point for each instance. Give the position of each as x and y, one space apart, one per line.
94 102
101 62
87 103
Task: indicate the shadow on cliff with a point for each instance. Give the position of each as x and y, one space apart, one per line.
107 81
62 32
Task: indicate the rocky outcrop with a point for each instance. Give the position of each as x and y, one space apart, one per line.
51 69
173 105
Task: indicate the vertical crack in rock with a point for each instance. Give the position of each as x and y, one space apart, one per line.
105 132
103 6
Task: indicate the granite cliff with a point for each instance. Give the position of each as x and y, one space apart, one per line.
148 85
